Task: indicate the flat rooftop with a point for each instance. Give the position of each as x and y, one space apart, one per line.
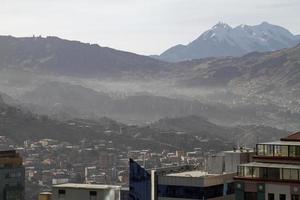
239 151
271 165
86 186
189 174
195 174
45 193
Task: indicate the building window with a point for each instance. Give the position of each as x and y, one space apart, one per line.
281 150
260 150
274 173
270 150
93 195
241 171
188 192
286 174
294 151
61 194
295 197
230 188
294 174
271 196
256 172
250 196
282 197
248 172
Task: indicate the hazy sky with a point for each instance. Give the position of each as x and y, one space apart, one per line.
140 26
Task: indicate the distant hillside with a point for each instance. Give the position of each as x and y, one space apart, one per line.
19 125
173 133
4 98
201 127
64 57
54 98
67 101
222 40
258 72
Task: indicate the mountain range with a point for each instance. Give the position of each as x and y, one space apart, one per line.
52 55
66 79
223 40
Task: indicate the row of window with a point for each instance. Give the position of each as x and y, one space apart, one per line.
62 195
188 192
271 196
278 150
269 173
13 175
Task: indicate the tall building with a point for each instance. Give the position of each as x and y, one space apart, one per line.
139 182
274 173
12 176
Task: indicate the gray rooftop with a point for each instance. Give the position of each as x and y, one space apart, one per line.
189 174
86 186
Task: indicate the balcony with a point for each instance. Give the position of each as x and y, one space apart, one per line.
278 150
269 172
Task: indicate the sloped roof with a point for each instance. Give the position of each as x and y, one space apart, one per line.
292 137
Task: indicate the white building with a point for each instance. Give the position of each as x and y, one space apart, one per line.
228 161
85 192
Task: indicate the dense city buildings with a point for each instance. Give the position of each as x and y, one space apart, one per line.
50 162
274 173
56 169
12 176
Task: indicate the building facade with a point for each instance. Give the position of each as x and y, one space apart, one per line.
12 176
274 173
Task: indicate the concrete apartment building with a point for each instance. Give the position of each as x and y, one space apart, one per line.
12 176
274 173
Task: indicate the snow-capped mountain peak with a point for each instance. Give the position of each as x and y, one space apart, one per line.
224 40
221 25
218 31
